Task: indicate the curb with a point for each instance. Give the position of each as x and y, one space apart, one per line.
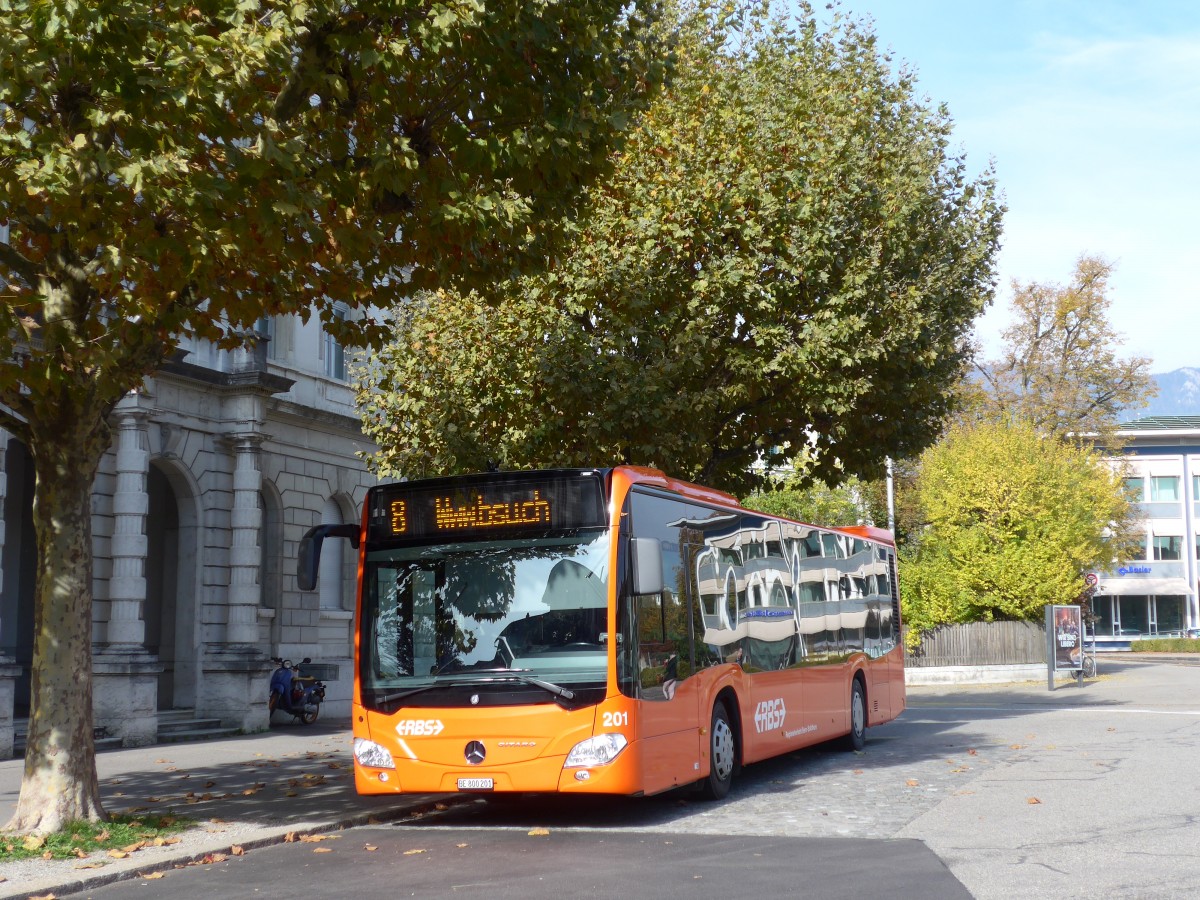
276 835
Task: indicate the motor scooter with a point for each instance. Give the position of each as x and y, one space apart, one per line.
294 693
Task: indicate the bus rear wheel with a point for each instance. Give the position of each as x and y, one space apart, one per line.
857 738
722 755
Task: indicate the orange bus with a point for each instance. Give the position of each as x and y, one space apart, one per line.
605 631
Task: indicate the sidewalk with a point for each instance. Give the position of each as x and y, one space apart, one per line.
247 791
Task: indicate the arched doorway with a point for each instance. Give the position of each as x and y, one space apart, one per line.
170 609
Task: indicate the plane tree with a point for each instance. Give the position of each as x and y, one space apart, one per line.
787 258
181 170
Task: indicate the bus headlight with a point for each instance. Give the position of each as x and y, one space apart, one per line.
595 751
369 753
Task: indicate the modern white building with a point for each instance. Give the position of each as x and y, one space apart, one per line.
218 466
1155 593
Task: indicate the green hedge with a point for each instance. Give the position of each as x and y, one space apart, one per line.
1166 645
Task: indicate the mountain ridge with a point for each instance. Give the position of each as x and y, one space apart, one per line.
1178 395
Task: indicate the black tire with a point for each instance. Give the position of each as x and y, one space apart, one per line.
1089 666
273 702
722 755
310 715
857 738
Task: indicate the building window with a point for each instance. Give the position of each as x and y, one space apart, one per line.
1168 548
1136 489
332 353
1164 488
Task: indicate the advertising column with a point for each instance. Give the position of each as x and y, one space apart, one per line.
1064 642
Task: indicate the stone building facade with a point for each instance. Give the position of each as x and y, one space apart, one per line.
218 467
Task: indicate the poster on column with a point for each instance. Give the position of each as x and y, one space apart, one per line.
1067 645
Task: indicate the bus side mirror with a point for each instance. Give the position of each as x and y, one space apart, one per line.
647 566
308 560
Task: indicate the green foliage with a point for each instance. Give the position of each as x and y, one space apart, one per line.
816 504
786 252
1060 369
186 170
1165 645
80 839
1013 521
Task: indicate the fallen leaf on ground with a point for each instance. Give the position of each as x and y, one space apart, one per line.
33 842
538 832
370 848
117 854
460 846
972 752
91 865
1014 746
412 852
290 837
45 897
237 850
153 876
858 771
322 849
314 838
1033 801
912 782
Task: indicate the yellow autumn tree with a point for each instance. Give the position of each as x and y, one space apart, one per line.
1012 519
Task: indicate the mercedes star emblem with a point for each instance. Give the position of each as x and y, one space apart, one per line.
475 753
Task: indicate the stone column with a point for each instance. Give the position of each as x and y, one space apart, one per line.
237 673
245 557
131 504
125 675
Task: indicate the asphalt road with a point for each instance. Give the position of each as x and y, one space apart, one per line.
986 791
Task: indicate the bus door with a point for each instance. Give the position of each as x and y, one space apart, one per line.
661 667
668 695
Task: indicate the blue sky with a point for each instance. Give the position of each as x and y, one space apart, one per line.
1091 112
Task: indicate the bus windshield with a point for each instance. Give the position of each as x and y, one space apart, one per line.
530 611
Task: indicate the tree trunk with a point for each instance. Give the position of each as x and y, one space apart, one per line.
60 783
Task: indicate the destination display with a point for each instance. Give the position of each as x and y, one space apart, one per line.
506 504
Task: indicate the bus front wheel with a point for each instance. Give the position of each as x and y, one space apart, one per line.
857 738
722 754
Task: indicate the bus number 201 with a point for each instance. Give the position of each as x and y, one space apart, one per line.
616 719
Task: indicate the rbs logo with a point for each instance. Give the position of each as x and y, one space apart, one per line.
419 727
769 715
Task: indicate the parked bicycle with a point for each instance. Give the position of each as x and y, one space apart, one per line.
1087 660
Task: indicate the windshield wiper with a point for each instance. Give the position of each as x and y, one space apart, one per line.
493 676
